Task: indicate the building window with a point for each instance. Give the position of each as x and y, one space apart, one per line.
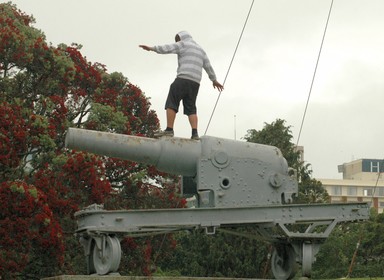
352 191
372 165
336 190
375 166
381 204
380 191
368 192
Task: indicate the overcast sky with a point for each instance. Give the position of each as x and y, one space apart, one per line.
272 72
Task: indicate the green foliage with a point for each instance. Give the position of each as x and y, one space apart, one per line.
171 273
365 240
219 255
279 135
312 191
107 118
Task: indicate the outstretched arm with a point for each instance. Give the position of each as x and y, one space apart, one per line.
147 48
217 85
163 49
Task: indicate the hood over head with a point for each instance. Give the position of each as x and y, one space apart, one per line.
184 36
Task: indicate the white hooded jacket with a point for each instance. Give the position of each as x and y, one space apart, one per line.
191 58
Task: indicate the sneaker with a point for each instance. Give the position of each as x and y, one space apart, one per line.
161 133
195 137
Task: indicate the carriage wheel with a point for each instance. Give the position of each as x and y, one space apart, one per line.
308 256
283 262
106 255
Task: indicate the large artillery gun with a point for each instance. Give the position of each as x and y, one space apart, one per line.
234 183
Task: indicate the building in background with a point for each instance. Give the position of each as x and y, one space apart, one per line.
362 182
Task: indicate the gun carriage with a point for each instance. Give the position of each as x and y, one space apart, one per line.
235 184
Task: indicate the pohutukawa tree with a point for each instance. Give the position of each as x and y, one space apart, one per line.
45 89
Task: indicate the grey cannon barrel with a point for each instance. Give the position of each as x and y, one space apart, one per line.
219 172
171 155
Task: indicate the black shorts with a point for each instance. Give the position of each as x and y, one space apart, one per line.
186 90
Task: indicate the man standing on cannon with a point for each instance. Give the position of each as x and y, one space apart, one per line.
191 60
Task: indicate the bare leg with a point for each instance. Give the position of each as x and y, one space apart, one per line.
193 121
171 116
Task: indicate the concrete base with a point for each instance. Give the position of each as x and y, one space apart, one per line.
118 277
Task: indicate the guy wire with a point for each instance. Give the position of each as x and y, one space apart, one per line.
314 74
230 65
